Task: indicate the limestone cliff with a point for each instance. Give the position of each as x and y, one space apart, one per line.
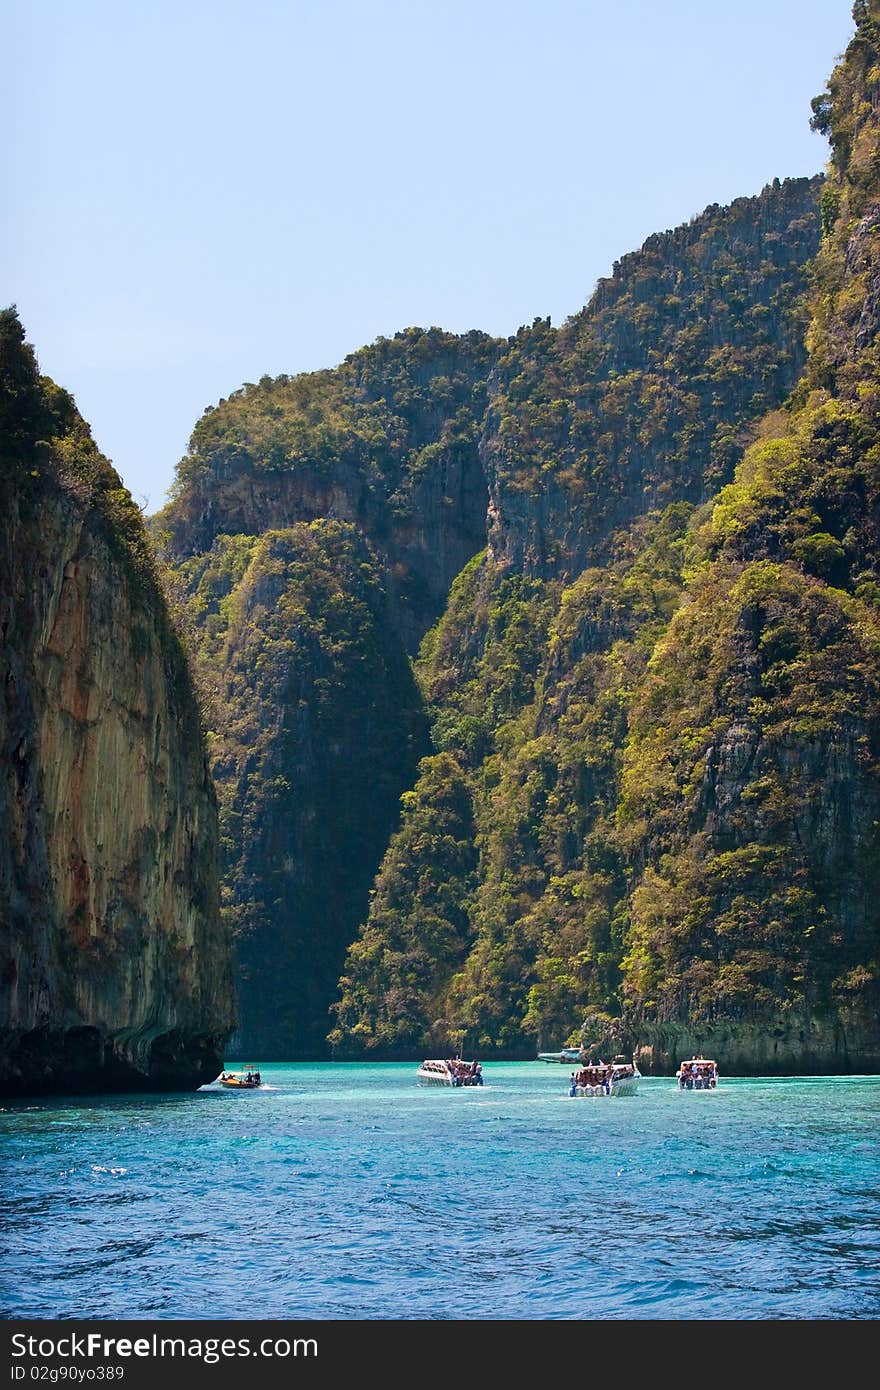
116 972
663 697
316 727
752 787
315 529
387 442
645 397
599 439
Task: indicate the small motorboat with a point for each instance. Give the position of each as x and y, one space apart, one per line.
697 1074
616 1078
247 1080
453 1072
568 1054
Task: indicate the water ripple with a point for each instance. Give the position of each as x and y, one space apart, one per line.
346 1191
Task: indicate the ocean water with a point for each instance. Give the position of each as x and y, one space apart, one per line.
348 1191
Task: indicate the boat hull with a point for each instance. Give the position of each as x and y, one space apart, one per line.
697 1074
626 1085
618 1088
437 1073
629 1087
429 1078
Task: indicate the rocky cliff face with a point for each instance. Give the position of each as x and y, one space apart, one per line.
646 396
751 803
317 525
116 972
598 441
387 442
317 726
663 697
753 763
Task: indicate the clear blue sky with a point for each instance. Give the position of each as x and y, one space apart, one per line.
202 191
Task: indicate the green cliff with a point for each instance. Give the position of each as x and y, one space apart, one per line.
752 776
315 529
554 449
664 701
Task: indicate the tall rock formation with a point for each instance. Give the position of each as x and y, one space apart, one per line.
645 397
315 528
116 970
664 701
387 442
369 489
752 784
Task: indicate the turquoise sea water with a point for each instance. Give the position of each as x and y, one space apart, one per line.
348 1191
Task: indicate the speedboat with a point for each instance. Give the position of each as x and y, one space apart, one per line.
450 1073
697 1074
616 1078
247 1080
568 1054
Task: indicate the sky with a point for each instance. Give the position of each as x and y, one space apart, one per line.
200 192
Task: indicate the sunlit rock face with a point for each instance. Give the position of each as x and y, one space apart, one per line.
115 968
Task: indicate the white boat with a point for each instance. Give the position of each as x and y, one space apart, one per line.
568 1054
697 1074
617 1078
452 1073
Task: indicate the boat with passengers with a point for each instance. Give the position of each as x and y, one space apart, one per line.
615 1078
247 1080
451 1072
697 1074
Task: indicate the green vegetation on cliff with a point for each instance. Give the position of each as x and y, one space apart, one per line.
646 396
315 729
640 576
751 793
45 444
317 525
419 931
530 673
387 441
